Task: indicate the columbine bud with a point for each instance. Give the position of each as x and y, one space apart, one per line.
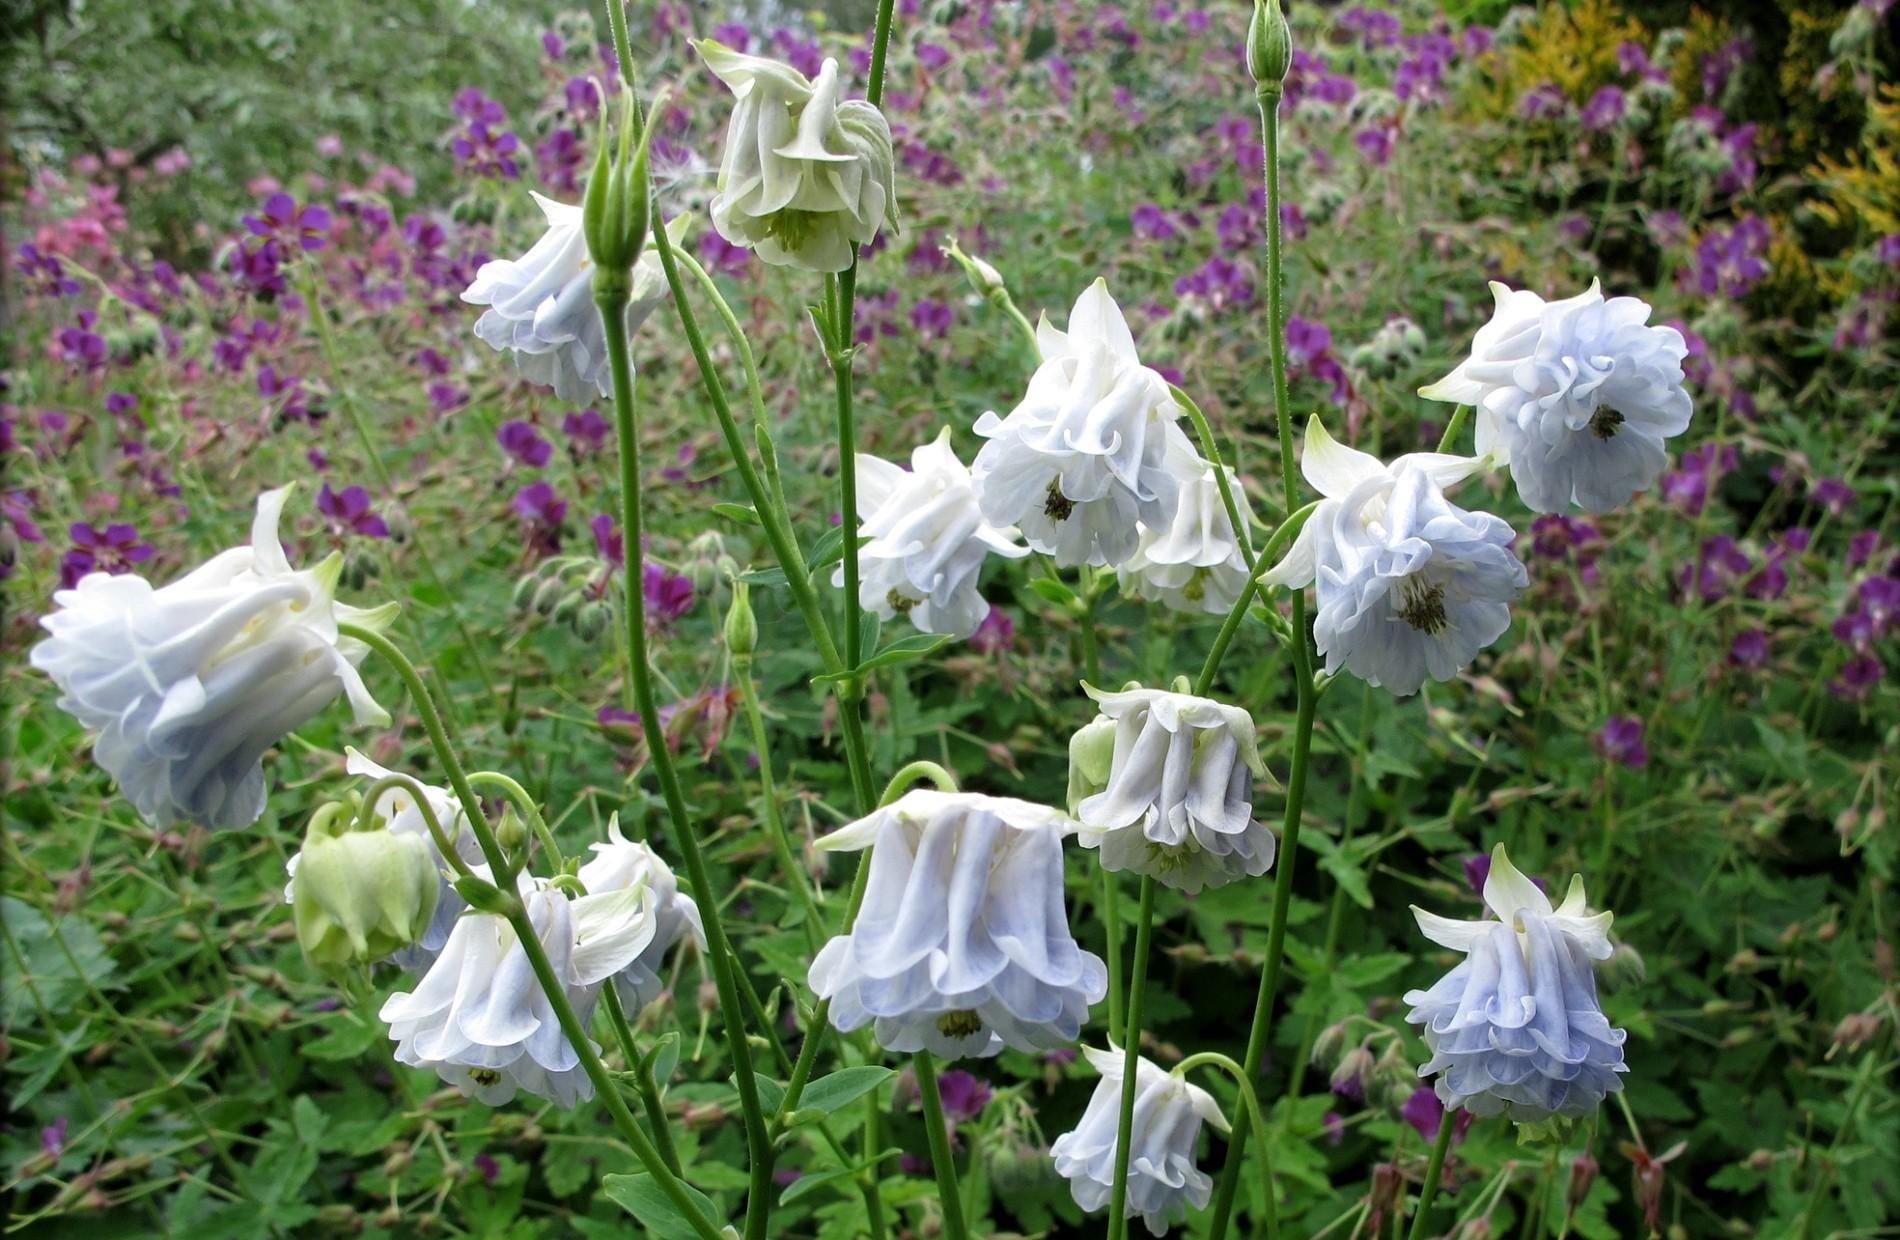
1625 967
985 279
511 833
1269 45
1583 1174
617 210
358 896
1091 754
742 628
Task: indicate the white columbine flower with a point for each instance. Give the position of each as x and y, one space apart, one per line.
928 539
621 863
479 1017
1516 1026
806 179
962 946
1162 783
1163 1182
541 305
1194 563
188 684
1409 585
1575 396
1093 448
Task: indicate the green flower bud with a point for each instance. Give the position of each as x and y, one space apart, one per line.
511 833
985 279
742 628
547 594
359 896
568 606
591 621
617 210
524 592
1091 751
1269 46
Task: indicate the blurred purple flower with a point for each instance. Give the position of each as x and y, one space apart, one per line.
1605 108
281 220
541 511
1749 649
114 549
349 510
586 431
1151 222
1832 494
1424 1112
964 1095
524 443
932 318
995 634
668 594
1621 741
1859 675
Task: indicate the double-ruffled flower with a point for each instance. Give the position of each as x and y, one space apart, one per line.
1574 396
806 178
928 541
1516 1027
541 306
1093 448
479 1017
962 946
1162 784
1163 1180
1194 563
620 864
1408 584
188 684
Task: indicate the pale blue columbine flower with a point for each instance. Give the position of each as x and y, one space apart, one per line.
1409 585
962 946
1574 396
1516 1027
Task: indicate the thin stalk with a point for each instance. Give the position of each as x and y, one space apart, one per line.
611 296
1250 1098
795 873
1433 1169
650 1099
1449 439
910 773
1131 1057
1112 926
1241 521
572 1027
1268 96
1204 683
939 1137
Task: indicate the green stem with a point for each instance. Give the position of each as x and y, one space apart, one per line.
1268 95
1131 1060
795 873
1112 938
517 914
1452 428
1433 1170
523 802
650 1098
611 296
910 773
938 1134
1204 683
1250 1097
1242 522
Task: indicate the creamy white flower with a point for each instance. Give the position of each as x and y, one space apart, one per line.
1575 396
1409 585
806 179
962 946
1093 448
620 864
480 1019
928 540
1162 784
1194 563
541 305
1163 1182
188 684
1516 1027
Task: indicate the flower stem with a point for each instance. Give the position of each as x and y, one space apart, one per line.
1242 522
1112 939
518 796
611 296
649 1089
781 843
1204 683
517 914
1250 1098
1433 1170
1268 96
939 1137
910 774
1131 1056
1448 440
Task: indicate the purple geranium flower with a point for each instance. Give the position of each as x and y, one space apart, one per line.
114 549
1621 741
524 443
348 510
281 220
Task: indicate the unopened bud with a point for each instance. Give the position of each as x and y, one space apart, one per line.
547 594
1583 1174
708 996
1091 751
984 278
742 628
1352 1072
511 833
359 896
616 212
1330 1042
1269 46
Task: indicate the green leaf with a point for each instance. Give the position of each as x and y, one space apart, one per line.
1054 591
663 1058
1364 972
764 577
345 1038
810 1183
904 649
771 1092
744 514
829 1093
640 1195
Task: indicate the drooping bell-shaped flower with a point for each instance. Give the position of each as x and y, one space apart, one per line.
479 1017
1516 1027
188 684
1093 448
1574 396
962 946
541 305
1408 584
928 541
807 177
1163 1181
1162 784
620 864
360 895
1193 564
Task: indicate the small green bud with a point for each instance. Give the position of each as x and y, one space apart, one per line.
742 628
482 895
617 210
524 592
1091 750
511 833
358 896
985 279
568 606
591 621
547 594
1269 46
